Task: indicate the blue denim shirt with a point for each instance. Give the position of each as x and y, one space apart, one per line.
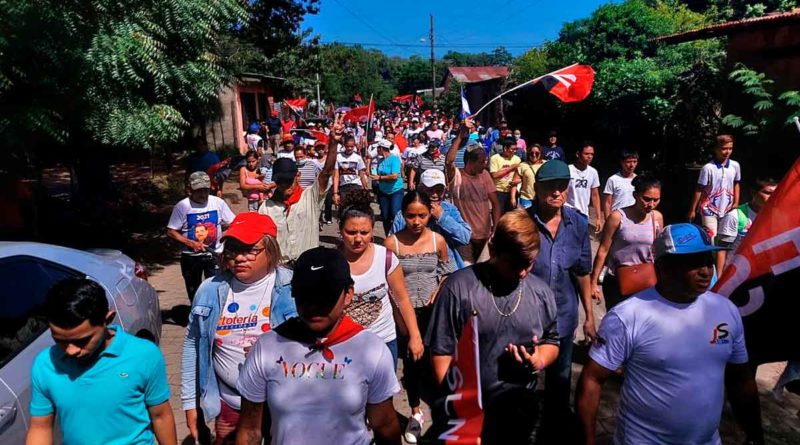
561 260
198 380
455 231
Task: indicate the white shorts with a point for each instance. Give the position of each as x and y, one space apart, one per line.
722 229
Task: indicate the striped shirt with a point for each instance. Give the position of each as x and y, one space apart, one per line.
309 170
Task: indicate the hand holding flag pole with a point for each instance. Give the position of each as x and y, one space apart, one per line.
570 84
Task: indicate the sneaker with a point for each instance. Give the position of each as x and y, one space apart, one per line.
414 428
328 222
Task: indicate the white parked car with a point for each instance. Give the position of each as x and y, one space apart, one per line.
27 271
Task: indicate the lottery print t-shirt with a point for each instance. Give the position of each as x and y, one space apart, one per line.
312 400
243 318
201 222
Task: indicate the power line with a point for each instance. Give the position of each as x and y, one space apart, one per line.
366 23
454 45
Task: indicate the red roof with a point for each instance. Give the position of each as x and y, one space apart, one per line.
722 29
470 74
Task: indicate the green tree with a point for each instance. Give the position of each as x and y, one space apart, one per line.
349 70
84 73
641 87
766 113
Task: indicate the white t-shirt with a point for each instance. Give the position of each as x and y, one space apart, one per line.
621 191
201 222
350 168
580 188
371 306
717 181
412 152
312 401
243 318
435 134
298 229
411 132
286 154
253 141
674 357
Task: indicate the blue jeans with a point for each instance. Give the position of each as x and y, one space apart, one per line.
558 377
390 205
392 345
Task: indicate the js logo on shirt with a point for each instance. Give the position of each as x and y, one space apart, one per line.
719 335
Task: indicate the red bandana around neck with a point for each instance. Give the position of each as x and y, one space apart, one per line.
294 329
293 199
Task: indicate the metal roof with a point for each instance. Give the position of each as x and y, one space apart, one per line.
722 29
471 74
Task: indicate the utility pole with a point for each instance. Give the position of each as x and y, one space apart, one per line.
319 103
433 67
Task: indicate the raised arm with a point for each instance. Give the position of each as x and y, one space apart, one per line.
330 161
450 159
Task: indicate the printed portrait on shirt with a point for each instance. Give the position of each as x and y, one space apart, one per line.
203 227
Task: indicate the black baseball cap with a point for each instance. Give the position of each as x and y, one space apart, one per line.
320 276
509 140
284 170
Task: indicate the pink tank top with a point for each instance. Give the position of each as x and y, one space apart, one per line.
632 243
249 180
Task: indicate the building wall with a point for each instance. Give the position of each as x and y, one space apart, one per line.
228 130
774 51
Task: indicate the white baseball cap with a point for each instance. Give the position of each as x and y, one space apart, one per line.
432 177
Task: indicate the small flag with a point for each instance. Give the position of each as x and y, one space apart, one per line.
464 105
362 113
570 84
297 105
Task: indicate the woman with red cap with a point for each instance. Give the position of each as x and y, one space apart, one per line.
229 313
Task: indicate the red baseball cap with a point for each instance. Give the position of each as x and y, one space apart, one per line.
250 227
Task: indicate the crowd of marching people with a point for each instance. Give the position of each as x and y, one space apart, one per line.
289 342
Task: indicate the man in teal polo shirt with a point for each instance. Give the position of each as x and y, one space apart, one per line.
106 386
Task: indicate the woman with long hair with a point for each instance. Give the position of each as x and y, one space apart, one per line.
378 279
526 174
628 237
424 259
514 315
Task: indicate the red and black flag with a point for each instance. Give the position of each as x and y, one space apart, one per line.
763 277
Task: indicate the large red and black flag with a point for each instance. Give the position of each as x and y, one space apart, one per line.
764 275
463 405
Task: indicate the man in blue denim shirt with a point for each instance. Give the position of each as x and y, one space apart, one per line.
445 217
564 263
229 313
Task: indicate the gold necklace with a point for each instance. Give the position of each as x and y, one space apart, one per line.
516 305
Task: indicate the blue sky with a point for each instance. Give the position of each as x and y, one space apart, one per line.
400 28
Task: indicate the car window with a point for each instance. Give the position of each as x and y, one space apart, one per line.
26 281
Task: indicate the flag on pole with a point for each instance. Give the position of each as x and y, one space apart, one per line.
463 405
297 105
764 274
465 113
362 113
570 84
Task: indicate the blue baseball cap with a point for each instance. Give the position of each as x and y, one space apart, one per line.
254 127
683 239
